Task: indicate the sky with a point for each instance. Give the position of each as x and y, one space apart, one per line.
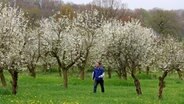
146 4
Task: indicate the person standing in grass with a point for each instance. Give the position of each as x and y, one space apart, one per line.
97 75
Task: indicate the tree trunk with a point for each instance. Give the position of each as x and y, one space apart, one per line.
119 73
32 71
44 67
84 62
137 84
3 81
65 78
139 69
59 70
109 71
124 73
82 73
14 75
122 68
59 62
162 84
179 73
147 70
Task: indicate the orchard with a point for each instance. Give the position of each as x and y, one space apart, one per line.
73 45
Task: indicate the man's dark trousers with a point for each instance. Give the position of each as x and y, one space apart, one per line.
101 82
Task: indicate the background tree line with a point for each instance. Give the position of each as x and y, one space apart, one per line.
162 21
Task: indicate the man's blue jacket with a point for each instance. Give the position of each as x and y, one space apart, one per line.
98 73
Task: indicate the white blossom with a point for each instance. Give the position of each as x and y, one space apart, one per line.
12 33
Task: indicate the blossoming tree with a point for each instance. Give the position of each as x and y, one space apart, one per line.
129 46
12 41
169 58
60 40
87 24
31 48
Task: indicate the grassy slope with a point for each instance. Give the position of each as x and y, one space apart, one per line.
47 89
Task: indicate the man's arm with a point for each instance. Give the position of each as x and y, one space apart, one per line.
93 75
103 74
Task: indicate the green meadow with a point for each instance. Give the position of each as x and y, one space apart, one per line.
48 89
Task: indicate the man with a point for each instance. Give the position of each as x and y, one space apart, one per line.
98 75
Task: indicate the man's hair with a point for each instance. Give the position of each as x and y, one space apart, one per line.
99 62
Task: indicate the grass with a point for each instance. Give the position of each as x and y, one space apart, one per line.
48 89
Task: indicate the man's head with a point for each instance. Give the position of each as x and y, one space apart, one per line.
98 64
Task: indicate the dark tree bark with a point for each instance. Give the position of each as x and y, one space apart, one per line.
136 83
44 67
119 72
82 70
14 82
122 68
139 69
31 69
83 64
59 64
124 72
179 73
162 84
2 78
65 78
109 71
60 72
82 73
64 67
147 70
